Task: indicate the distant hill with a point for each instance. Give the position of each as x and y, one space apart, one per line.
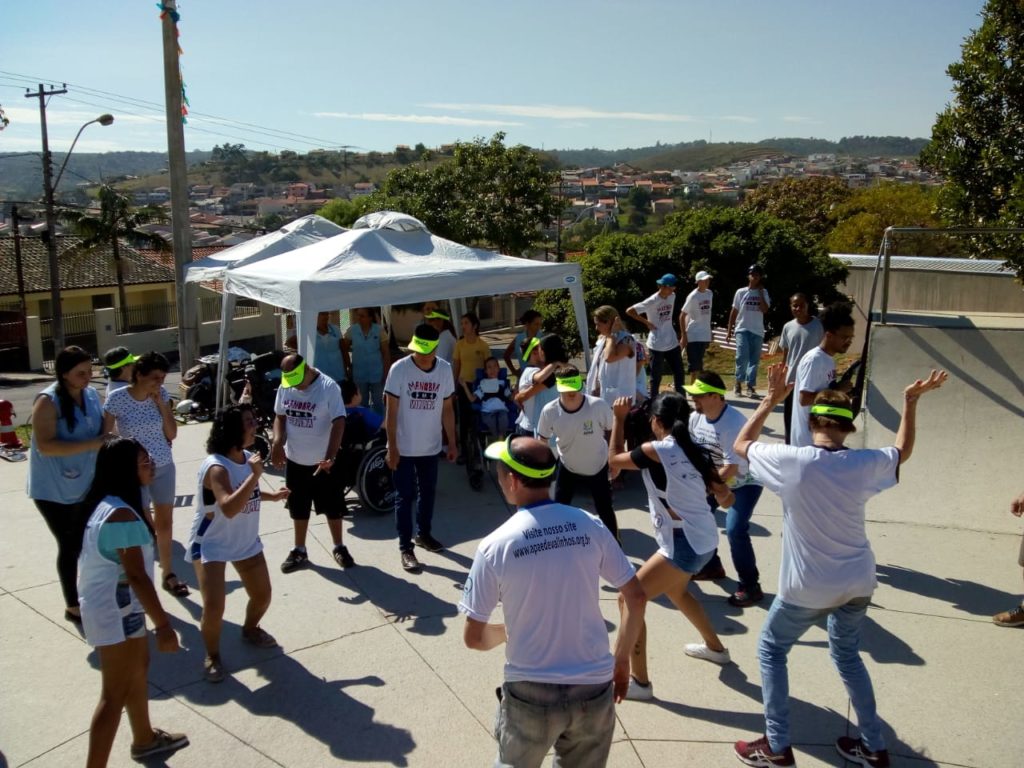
682 156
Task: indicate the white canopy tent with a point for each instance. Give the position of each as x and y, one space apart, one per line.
386 258
305 231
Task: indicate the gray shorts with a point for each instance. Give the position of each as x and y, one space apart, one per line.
161 490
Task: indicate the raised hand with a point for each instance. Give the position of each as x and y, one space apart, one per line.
935 380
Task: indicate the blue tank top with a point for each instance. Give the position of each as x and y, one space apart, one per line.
367 363
66 479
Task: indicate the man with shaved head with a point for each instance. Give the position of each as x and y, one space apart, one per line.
544 565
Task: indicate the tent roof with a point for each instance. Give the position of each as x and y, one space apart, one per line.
388 258
303 231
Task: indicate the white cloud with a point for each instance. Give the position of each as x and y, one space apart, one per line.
556 112
738 119
383 117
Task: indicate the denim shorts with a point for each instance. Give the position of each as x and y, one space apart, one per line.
683 556
132 624
161 490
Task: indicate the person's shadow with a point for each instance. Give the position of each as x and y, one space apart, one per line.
967 596
402 600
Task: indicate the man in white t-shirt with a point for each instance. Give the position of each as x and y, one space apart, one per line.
657 312
309 422
817 370
544 565
799 336
578 424
695 323
420 391
746 317
715 425
827 569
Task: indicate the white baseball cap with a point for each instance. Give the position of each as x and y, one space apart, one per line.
702 275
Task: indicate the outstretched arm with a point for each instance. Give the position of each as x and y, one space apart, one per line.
908 422
777 391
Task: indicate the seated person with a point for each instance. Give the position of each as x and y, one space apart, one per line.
493 394
362 423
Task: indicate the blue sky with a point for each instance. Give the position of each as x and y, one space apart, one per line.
555 74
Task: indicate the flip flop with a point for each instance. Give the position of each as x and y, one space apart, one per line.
180 589
10 455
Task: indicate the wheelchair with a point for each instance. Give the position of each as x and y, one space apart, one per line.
483 432
363 460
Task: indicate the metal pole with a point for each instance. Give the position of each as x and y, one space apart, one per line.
20 272
181 233
885 275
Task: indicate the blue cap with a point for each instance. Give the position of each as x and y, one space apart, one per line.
667 279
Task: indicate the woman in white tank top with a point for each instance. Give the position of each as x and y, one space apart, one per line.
678 475
225 529
613 369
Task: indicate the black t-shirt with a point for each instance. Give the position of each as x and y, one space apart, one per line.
643 461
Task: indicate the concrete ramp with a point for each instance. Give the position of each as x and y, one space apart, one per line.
968 461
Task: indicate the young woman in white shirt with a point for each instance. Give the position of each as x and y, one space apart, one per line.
612 371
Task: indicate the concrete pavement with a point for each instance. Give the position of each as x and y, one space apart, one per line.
372 669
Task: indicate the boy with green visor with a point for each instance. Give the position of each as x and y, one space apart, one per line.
578 424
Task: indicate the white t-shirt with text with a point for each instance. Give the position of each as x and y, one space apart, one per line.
309 415
659 311
544 566
747 303
718 437
814 373
579 434
698 314
826 558
421 395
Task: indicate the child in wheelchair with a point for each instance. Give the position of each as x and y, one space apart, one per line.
493 394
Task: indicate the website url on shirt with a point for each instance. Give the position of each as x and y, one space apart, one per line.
559 543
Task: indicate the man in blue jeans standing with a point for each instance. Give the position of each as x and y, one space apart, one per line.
657 312
828 568
715 425
420 391
545 565
746 317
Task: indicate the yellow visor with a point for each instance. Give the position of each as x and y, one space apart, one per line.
701 388
532 345
123 362
423 346
831 410
435 315
569 383
502 451
293 377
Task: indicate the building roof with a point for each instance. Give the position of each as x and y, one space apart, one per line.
928 264
79 269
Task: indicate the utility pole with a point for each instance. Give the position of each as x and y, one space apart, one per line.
20 273
181 233
56 312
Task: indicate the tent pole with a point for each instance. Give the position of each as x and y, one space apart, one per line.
580 308
227 311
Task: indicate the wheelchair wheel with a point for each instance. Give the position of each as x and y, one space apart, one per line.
374 484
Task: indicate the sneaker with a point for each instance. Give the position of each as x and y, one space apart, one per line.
342 557
759 753
429 543
162 743
701 651
410 563
709 574
639 692
213 670
295 560
737 390
1014 618
855 751
744 598
259 637
751 392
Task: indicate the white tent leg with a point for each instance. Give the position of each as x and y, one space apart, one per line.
576 292
227 312
305 334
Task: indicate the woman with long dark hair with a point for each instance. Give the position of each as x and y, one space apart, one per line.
678 475
116 586
226 529
142 411
542 387
67 422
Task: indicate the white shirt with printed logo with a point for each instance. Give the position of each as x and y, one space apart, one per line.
421 395
659 311
718 437
826 558
309 414
698 314
747 303
579 434
544 566
814 373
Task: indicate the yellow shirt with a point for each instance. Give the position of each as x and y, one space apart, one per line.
470 356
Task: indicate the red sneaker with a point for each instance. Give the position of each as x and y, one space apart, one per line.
759 754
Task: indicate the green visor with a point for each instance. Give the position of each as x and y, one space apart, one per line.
423 346
293 377
569 383
531 345
831 410
703 388
123 362
502 451
435 315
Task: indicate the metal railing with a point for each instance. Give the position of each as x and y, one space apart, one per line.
145 317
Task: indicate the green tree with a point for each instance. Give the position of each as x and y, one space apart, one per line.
862 220
116 220
808 202
977 142
345 212
620 269
486 194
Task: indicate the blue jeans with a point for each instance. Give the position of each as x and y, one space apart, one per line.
578 720
737 529
415 480
748 356
372 393
782 628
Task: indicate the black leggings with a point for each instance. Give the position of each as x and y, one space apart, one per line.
600 489
67 524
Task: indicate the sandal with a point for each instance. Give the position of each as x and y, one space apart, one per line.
178 589
259 637
162 743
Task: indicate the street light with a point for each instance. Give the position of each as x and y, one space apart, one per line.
49 186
